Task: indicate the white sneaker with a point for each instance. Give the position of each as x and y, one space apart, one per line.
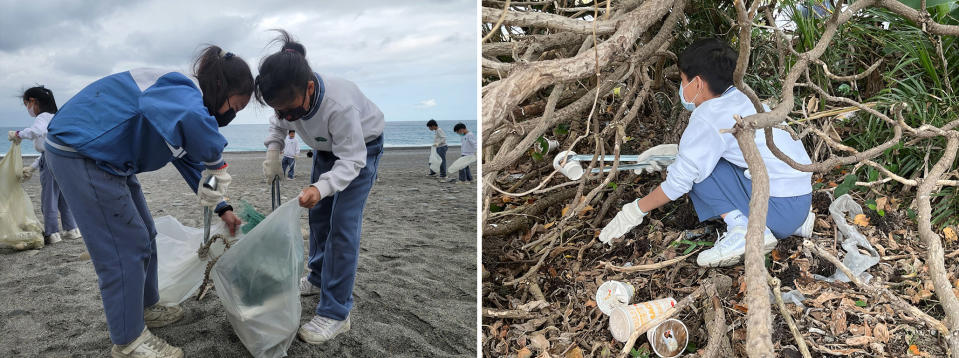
307 288
159 315
805 230
322 329
731 247
52 239
146 346
72 234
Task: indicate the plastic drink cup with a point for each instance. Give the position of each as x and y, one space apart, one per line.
571 169
623 320
669 338
613 294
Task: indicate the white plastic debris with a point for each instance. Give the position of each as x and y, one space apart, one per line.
856 261
613 294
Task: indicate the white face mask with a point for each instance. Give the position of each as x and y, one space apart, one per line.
688 105
31 111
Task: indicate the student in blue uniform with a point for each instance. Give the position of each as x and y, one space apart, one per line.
710 166
345 128
41 105
133 122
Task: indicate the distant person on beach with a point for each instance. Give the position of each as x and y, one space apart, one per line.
41 105
345 128
710 167
439 142
133 122
468 147
291 149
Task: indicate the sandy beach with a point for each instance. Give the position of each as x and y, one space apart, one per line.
415 291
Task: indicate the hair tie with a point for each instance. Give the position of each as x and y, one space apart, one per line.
228 55
289 50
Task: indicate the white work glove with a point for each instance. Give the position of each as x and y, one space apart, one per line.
26 174
210 197
656 166
13 137
271 166
625 220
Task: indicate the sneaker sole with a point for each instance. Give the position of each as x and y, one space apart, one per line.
299 333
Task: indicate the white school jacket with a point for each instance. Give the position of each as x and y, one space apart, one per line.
341 121
702 145
37 132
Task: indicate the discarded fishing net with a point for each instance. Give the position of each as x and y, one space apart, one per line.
249 215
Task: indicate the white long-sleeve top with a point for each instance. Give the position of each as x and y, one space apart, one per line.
341 121
291 147
702 145
439 137
468 146
37 132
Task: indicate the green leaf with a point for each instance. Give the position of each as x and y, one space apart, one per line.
692 347
817 186
561 129
493 208
861 303
845 89
916 4
881 212
613 185
847 184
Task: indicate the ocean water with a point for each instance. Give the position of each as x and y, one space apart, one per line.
249 137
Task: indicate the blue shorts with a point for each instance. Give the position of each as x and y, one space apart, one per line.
728 189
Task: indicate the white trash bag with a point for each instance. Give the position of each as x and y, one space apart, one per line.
435 160
257 281
461 163
19 227
179 268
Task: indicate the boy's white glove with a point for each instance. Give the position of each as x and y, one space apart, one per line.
656 166
13 137
271 166
26 174
625 220
210 197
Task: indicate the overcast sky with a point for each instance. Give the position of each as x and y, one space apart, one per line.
415 59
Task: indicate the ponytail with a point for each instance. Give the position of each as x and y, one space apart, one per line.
283 75
44 97
221 74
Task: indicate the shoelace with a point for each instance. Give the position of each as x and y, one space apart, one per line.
158 345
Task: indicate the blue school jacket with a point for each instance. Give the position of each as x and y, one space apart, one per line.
138 121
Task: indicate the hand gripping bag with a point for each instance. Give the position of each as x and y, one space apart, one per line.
19 227
257 281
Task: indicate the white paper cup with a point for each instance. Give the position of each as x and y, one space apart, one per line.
613 294
623 320
668 339
571 169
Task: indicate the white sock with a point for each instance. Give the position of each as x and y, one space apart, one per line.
735 218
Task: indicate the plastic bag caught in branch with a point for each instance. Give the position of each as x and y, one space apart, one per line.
857 262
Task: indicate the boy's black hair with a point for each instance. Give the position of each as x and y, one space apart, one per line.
221 74
292 131
283 75
432 123
459 126
309 154
713 60
44 98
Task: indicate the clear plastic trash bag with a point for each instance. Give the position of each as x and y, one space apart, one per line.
179 268
19 227
461 163
854 259
435 160
257 281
